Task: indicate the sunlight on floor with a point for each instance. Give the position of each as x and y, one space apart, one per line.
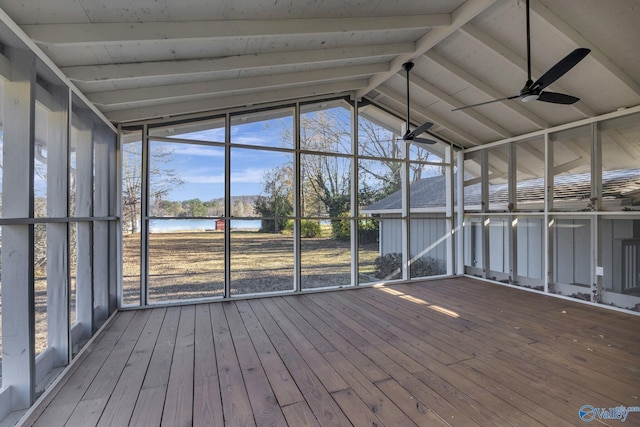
415 300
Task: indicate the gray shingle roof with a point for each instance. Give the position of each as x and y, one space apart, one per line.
430 192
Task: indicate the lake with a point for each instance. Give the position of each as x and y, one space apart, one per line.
164 225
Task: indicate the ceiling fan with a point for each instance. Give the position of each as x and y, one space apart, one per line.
412 136
533 91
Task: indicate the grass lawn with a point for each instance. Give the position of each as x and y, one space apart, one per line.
185 265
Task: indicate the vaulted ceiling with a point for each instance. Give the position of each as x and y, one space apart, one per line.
141 59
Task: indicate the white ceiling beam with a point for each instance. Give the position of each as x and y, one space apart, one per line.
440 94
575 37
568 166
469 10
134 32
155 93
5 67
231 101
131 71
22 39
400 99
482 86
493 44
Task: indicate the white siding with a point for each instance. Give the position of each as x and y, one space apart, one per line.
529 233
572 249
427 237
499 245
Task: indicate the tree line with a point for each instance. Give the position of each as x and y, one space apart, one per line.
241 206
325 177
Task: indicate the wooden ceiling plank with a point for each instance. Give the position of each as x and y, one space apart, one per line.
144 70
469 10
400 99
134 32
480 85
154 93
232 101
515 59
574 36
440 94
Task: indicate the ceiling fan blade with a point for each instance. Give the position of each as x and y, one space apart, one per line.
424 141
486 102
558 70
420 129
557 98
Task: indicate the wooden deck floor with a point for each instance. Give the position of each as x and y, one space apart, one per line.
447 352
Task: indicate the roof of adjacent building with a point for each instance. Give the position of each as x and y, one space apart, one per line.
429 193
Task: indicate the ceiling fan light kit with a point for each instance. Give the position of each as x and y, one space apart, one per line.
532 91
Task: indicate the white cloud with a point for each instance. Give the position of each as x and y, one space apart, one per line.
252 140
199 151
248 176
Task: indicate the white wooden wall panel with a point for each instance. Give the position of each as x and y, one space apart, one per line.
18 362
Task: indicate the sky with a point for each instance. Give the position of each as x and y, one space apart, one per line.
201 167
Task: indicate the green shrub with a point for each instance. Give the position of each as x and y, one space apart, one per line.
288 228
341 229
390 265
310 228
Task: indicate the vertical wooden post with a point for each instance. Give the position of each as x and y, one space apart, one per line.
486 219
297 205
596 201
101 189
406 213
227 207
58 233
18 334
548 205
355 213
513 221
84 233
449 184
460 219
115 228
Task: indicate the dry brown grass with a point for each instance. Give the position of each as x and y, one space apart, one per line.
189 265
185 265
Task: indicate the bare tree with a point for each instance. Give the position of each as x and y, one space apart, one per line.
162 179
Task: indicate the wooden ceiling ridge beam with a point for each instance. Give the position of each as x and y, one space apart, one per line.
134 32
574 36
132 71
482 86
493 44
445 97
199 89
469 10
400 99
233 101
